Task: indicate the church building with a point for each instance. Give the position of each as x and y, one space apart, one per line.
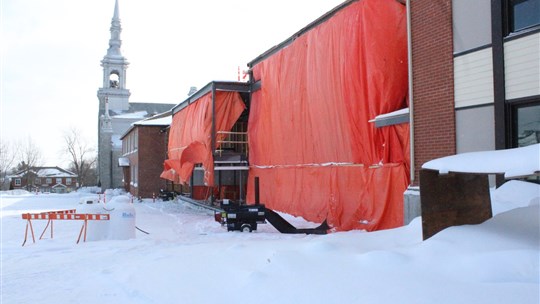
116 113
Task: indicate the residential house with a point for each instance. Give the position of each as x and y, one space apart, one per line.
45 179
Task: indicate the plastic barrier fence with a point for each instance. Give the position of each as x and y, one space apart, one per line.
61 215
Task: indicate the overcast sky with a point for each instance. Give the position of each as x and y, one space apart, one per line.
51 53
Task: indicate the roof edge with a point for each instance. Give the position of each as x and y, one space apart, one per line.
236 86
301 32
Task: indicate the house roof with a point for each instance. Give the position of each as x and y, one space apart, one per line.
46 172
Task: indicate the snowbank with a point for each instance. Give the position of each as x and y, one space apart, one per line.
15 192
513 163
514 194
93 190
189 258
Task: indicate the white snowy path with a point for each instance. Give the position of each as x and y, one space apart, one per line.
189 258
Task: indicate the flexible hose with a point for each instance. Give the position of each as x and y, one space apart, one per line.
141 230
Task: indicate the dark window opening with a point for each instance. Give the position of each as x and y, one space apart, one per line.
526 124
522 15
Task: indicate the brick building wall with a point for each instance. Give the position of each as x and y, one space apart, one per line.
152 152
433 81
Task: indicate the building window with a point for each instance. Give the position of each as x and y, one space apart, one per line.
68 181
37 181
131 174
135 179
526 124
17 182
522 14
58 180
48 181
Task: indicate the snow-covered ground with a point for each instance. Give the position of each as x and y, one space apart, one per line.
189 258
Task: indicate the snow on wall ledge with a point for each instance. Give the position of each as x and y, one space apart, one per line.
512 163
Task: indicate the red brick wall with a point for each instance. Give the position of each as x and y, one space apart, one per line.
433 81
152 152
43 182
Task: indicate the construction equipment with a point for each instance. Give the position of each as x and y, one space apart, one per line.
245 218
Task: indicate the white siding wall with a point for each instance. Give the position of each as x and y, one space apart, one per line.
522 67
473 78
475 129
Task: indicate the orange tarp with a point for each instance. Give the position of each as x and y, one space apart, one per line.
169 173
310 139
190 136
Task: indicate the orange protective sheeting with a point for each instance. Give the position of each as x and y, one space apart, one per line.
190 136
310 139
169 173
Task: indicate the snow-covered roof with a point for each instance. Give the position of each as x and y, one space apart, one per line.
134 115
54 172
392 118
49 172
512 163
163 121
393 114
46 172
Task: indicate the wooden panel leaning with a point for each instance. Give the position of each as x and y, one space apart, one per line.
453 199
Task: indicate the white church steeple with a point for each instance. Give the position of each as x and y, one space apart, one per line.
116 29
113 100
114 71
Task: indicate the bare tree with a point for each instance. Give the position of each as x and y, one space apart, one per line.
29 153
29 156
7 160
81 155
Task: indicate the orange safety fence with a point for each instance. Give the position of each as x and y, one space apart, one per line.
61 215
